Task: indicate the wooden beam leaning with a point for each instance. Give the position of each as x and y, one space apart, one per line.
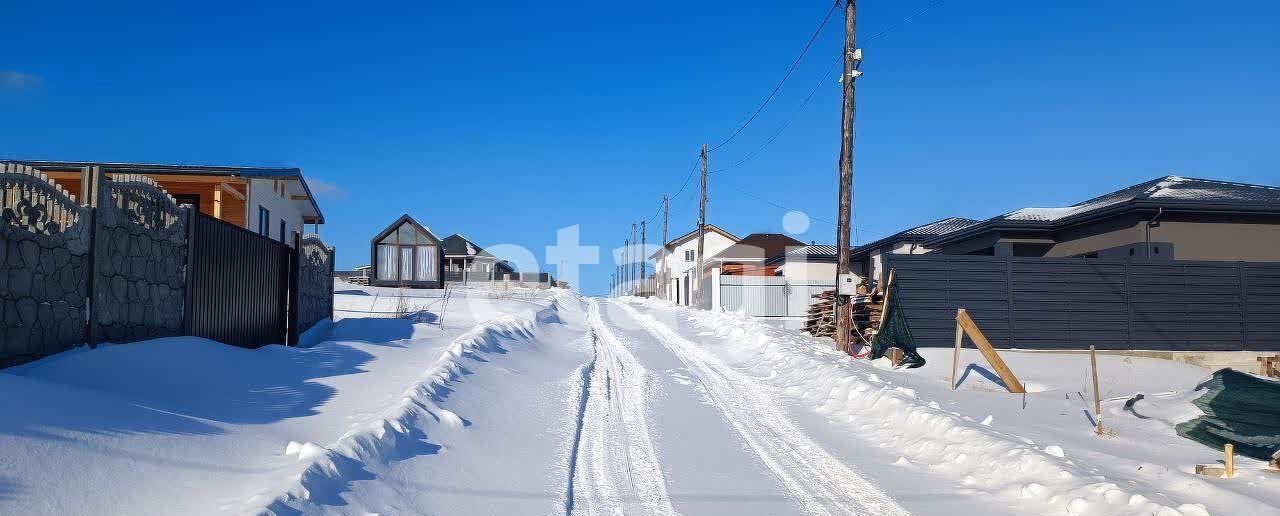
232 190
965 325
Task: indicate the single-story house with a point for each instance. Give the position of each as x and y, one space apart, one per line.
465 261
1168 218
867 261
406 254
1173 264
747 257
271 201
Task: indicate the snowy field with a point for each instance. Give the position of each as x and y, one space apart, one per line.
542 402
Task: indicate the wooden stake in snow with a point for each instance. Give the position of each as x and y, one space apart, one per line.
1097 399
1230 460
965 324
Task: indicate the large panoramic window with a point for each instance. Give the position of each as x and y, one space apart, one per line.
407 255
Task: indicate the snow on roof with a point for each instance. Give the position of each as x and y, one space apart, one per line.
1173 188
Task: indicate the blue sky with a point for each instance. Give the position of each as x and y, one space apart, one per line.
507 121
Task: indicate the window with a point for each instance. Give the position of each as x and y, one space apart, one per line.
406 263
426 263
407 254
282 231
386 262
264 221
689 255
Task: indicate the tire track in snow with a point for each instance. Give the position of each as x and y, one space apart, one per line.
616 468
821 484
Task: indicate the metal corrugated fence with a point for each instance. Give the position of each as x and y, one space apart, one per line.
1071 303
769 296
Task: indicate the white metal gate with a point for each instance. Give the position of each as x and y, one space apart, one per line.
769 296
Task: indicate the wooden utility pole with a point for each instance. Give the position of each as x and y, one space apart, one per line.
626 257
666 259
852 59
644 256
702 224
632 263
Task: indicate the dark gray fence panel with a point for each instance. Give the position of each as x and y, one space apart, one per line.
1048 303
239 284
44 266
1262 307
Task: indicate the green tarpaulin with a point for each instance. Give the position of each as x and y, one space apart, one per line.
896 334
1240 409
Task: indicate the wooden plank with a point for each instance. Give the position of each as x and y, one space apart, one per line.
883 314
955 360
217 202
989 352
1097 399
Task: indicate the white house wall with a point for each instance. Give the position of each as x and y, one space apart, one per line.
809 271
262 193
676 266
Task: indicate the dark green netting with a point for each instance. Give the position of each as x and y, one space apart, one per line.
1240 409
895 333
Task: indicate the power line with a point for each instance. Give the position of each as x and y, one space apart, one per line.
839 65
794 113
786 76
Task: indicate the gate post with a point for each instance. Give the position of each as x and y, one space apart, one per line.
188 302
332 253
715 288
294 271
93 192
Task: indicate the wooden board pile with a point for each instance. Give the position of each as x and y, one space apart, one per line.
866 313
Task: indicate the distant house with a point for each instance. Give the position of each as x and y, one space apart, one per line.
465 261
676 260
274 202
1168 218
358 275
407 254
748 257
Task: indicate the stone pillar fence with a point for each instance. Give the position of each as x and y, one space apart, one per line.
116 268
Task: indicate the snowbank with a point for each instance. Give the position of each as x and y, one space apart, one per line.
984 457
389 434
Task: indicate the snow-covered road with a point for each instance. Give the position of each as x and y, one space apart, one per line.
756 438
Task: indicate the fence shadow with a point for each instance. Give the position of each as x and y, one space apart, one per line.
50 411
194 377
387 331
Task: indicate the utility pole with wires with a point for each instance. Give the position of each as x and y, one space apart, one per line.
852 61
632 264
626 256
666 205
644 257
702 223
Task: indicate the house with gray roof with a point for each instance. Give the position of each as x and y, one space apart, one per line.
1167 218
867 260
465 261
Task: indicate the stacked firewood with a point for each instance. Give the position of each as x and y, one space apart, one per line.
866 313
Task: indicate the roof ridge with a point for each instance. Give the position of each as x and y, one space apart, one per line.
1222 182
